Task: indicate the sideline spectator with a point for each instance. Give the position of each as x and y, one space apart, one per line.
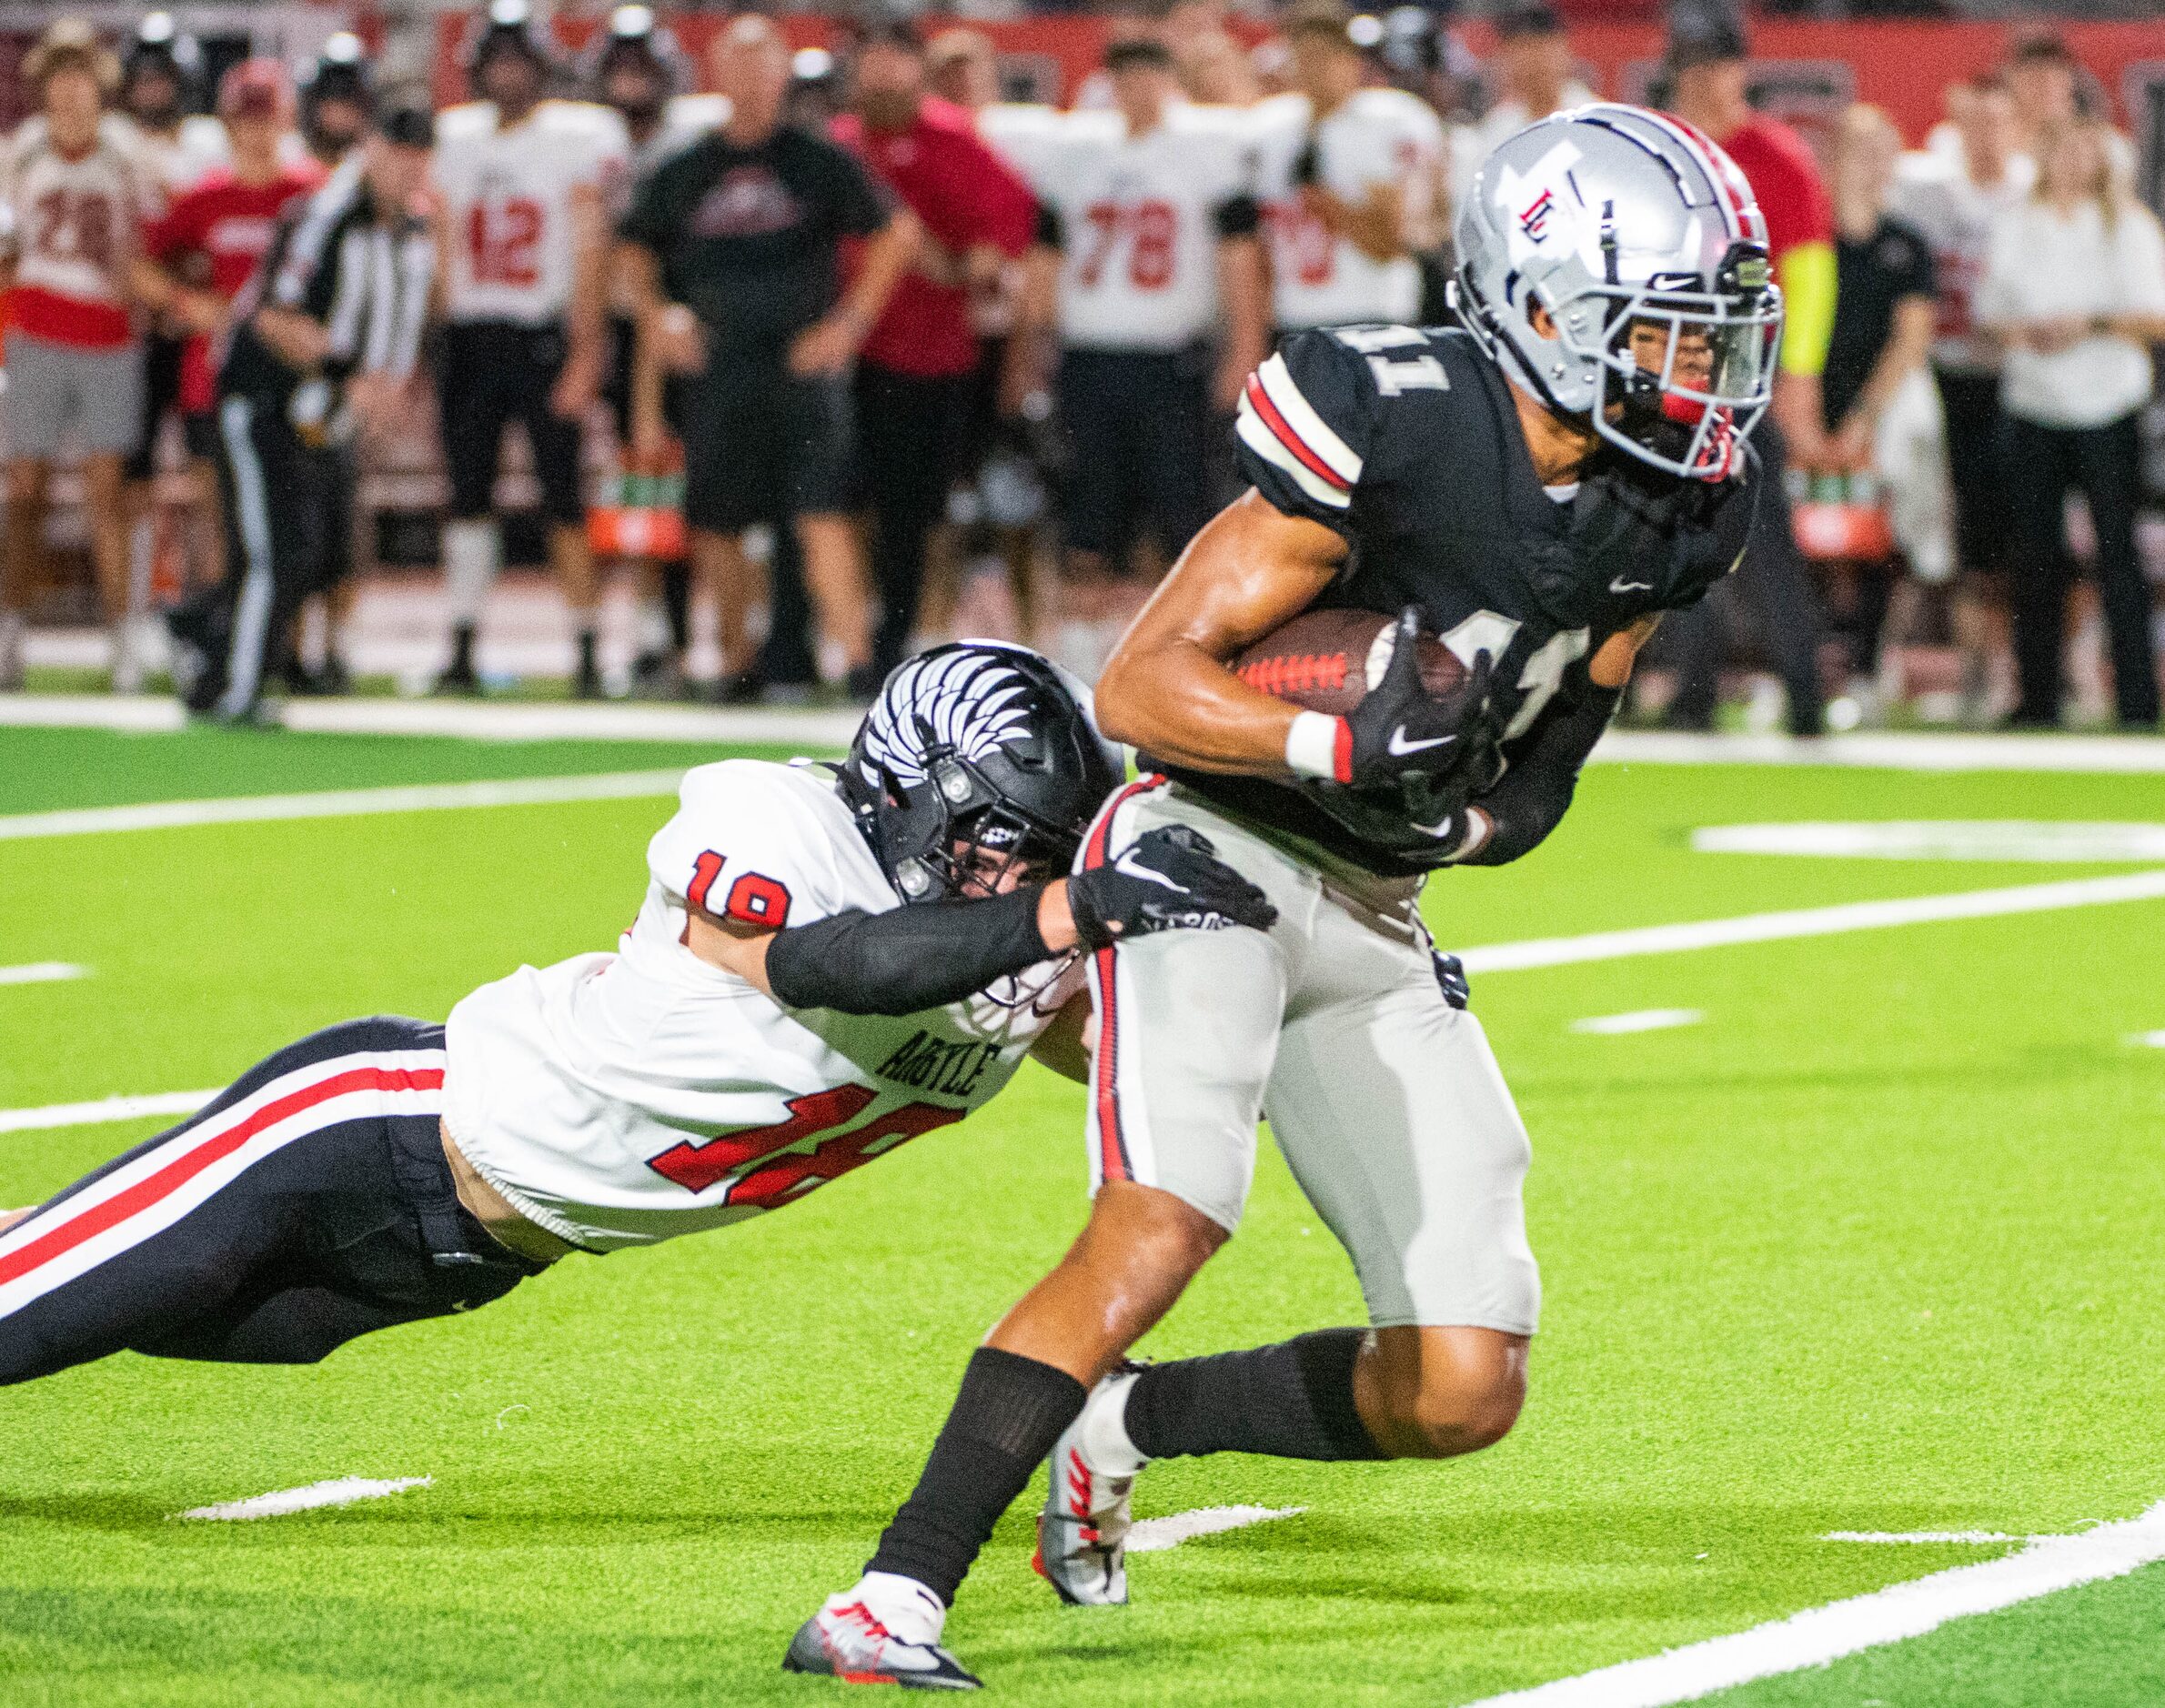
161 72
208 243
523 182
328 328
1953 199
914 374
1709 59
1350 177
1882 333
338 102
1532 67
1147 250
732 249
76 195
640 72
2074 288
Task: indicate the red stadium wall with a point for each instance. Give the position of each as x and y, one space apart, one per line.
1902 66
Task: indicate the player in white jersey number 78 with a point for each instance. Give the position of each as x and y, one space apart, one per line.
830 961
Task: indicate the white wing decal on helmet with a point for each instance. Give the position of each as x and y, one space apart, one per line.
966 700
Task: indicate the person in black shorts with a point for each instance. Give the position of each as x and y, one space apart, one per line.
732 249
1884 311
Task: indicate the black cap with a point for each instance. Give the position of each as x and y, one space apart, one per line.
1704 33
409 124
1140 53
1514 19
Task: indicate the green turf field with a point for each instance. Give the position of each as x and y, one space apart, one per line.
1874 1247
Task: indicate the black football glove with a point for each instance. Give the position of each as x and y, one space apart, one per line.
1450 978
1167 880
1401 730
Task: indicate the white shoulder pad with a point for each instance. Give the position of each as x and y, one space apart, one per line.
765 843
692 114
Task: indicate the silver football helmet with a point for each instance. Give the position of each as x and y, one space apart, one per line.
1643 243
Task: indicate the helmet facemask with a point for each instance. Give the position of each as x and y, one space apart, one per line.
969 839
1683 374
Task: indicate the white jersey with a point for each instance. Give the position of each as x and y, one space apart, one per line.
1955 214
1378 137
74 227
620 1099
507 195
1140 217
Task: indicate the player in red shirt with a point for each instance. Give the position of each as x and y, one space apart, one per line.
199 253
914 374
1709 60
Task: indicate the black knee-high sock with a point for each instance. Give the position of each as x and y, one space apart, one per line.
1293 1399
1009 1413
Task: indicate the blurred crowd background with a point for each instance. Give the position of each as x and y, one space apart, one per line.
727 355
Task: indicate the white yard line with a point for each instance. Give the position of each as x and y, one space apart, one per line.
1821 1634
338 1492
1155 1536
42 973
105 1108
473 721
340 803
2041 840
2148 1041
1966 1538
513 721
1639 1020
1849 915
1891 751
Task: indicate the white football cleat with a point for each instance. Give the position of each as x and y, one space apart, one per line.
886 1631
1082 1533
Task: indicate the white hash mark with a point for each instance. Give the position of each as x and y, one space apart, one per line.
1639 1020
1155 1536
337 1492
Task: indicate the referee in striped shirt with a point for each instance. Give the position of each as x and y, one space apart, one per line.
329 328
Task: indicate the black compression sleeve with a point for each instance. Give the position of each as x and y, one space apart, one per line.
1536 791
910 959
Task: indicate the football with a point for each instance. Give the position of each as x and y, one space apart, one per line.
1326 660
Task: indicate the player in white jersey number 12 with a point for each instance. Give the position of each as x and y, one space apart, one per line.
830 961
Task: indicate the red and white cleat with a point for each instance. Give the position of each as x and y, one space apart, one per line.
886 1631
1082 1533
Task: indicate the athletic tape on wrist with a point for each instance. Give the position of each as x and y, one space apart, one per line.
1320 745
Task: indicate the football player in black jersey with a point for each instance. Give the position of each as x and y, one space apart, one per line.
1535 489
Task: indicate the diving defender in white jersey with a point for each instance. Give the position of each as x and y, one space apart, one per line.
831 960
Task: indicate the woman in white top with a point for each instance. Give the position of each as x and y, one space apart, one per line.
2074 290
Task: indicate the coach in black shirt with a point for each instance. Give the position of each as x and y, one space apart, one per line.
733 250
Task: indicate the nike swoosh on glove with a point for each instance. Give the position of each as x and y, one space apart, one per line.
1401 730
1167 880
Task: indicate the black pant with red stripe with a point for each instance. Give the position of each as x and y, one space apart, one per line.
309 1202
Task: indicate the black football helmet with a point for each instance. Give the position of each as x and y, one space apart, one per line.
338 97
976 749
160 48
510 27
636 38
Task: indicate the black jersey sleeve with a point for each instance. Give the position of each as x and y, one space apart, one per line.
1535 793
1710 544
1308 419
